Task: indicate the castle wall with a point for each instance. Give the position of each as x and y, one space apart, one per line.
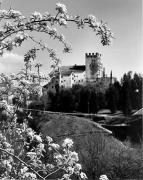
89 74
65 81
78 78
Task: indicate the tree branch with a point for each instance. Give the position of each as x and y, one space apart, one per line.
22 162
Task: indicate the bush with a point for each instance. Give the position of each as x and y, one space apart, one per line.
108 156
22 154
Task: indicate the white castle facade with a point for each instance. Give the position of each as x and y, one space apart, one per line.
88 74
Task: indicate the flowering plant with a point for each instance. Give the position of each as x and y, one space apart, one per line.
21 149
17 28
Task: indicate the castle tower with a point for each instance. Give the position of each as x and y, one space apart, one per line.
93 64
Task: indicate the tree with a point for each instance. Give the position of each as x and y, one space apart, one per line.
65 100
131 92
111 96
137 91
117 86
126 94
21 149
17 28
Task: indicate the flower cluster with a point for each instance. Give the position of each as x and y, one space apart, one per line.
18 143
36 16
93 21
11 14
15 25
68 143
68 160
61 8
103 177
22 151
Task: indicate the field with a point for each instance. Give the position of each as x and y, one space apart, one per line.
99 152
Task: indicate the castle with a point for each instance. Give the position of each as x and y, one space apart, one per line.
88 74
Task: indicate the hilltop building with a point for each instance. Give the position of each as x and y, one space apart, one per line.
89 74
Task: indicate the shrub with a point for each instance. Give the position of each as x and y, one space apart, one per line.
22 153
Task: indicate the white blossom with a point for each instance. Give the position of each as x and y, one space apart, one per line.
38 138
46 15
29 175
83 175
74 156
59 159
32 155
66 177
77 167
36 15
49 139
62 21
21 35
30 133
91 18
55 146
7 165
67 143
103 177
50 166
61 8
53 32
15 13
3 12
70 170
24 170
6 145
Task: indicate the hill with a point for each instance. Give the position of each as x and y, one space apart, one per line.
99 152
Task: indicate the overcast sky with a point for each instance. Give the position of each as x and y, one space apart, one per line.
124 17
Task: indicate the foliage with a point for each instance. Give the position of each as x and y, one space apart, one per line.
16 29
20 87
22 151
99 152
78 98
131 92
125 95
110 157
111 96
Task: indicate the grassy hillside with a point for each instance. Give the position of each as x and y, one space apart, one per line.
99 152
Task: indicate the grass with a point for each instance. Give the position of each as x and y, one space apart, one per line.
99 152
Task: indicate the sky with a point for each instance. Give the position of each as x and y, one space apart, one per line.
124 17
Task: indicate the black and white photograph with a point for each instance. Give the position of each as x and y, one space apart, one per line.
71 105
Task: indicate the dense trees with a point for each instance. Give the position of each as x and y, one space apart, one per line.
125 95
111 97
131 92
